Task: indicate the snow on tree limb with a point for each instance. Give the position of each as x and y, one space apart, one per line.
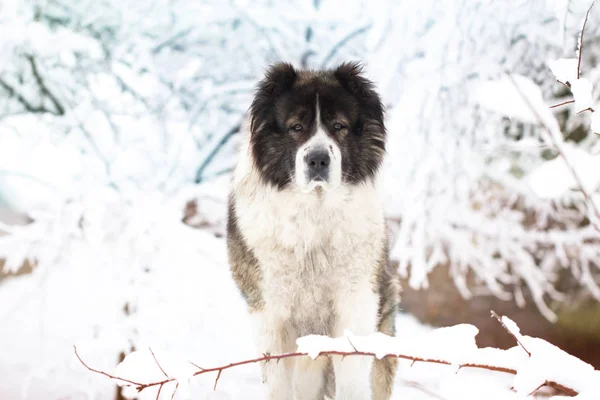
555 137
534 362
506 98
565 70
582 91
568 72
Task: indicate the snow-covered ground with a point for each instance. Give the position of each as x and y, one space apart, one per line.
200 318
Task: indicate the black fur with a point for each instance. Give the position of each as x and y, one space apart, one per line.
287 97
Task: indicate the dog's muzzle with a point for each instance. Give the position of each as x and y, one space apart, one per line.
317 165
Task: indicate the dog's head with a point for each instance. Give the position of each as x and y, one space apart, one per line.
314 129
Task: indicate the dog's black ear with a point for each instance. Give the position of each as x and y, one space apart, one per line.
350 76
279 78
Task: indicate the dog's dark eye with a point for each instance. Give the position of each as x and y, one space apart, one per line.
338 127
296 128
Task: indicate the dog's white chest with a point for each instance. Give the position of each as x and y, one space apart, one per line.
308 247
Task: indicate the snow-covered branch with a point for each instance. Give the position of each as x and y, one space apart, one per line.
534 362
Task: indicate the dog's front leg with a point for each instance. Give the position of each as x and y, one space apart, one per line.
357 312
275 336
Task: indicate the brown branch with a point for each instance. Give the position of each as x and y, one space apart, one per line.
563 103
580 41
197 366
174 391
158 394
349 341
494 315
220 369
217 379
107 374
157 363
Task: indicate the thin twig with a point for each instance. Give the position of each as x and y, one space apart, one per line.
217 380
580 42
159 389
494 315
157 363
350 341
109 375
175 391
21 99
60 110
218 147
563 103
197 366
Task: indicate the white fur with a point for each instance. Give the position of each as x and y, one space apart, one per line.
320 140
317 253
309 378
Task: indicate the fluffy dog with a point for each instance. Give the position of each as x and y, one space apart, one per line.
306 234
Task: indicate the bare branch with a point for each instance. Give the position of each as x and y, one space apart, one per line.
218 147
580 42
350 341
563 103
21 99
157 363
175 391
60 110
158 394
197 366
217 380
107 374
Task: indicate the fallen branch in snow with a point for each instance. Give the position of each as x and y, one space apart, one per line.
494 315
542 364
277 357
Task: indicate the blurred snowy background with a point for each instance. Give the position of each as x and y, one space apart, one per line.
118 131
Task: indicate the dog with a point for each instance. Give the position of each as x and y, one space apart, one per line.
306 235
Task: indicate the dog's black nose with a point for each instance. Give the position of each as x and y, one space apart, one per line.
317 162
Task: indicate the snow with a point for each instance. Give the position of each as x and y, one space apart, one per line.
582 91
151 365
553 178
453 344
515 96
596 123
548 363
564 69
539 364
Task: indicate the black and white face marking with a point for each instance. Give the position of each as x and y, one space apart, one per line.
316 129
319 159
